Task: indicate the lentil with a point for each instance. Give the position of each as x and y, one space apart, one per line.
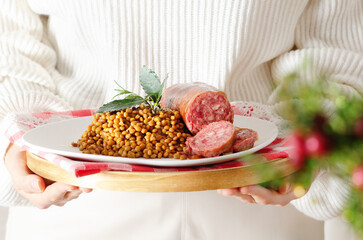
136 133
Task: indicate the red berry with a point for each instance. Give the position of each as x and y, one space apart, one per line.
316 144
357 177
358 127
297 153
319 121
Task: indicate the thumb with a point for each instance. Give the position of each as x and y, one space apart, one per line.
23 178
31 183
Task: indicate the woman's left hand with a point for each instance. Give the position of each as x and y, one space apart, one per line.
261 195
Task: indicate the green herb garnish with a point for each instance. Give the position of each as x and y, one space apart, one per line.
151 85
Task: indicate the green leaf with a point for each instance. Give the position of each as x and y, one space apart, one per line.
151 85
122 91
150 82
160 93
133 96
120 104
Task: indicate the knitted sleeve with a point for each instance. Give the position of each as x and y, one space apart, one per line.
329 35
27 64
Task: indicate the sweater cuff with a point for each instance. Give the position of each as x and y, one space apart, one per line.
8 194
326 197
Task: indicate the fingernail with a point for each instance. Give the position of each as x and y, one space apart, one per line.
87 190
36 187
243 190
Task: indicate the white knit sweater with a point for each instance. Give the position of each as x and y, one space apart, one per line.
65 54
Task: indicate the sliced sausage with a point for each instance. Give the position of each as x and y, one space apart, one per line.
245 139
213 140
198 103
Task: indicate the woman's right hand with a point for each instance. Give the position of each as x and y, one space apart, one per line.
35 188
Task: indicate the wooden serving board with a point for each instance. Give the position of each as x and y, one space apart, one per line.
157 181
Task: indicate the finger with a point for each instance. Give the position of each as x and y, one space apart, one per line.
56 194
70 195
266 196
60 203
85 190
29 184
260 194
228 192
285 188
16 162
57 191
23 179
284 199
236 193
53 194
246 198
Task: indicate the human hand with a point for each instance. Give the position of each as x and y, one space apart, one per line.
42 193
261 195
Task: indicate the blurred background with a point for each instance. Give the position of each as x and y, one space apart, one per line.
334 229
3 216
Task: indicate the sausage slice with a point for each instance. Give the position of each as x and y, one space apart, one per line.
245 139
213 140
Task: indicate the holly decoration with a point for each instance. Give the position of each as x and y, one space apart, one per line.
298 156
326 133
316 144
357 177
358 127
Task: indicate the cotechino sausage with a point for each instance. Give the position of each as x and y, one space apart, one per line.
245 139
213 140
198 103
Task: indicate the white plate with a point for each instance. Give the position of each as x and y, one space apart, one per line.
57 138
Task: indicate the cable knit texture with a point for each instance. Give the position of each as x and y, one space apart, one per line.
326 197
63 54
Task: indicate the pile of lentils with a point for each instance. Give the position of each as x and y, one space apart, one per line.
136 132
